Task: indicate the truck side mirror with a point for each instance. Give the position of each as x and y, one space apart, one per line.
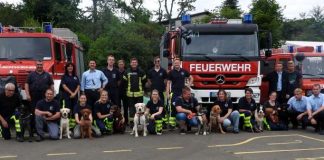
300 57
268 44
166 41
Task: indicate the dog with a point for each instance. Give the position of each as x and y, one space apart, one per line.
24 115
140 120
259 116
202 124
64 123
119 121
214 119
86 124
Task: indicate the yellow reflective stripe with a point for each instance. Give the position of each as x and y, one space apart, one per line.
129 94
144 77
140 84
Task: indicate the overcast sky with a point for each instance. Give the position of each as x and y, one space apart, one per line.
292 8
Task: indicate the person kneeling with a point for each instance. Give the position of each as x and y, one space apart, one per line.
186 107
154 110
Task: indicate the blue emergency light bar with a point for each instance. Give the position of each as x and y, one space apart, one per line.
319 49
291 49
247 18
47 27
185 19
1 30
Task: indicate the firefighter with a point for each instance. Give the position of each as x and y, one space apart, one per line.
8 103
37 83
103 116
92 83
315 109
154 110
176 81
113 77
122 89
134 79
157 78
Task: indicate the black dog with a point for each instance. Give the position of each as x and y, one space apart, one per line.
24 116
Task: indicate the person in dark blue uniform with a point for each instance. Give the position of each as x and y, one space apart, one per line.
122 89
71 86
157 78
113 77
103 116
247 106
154 109
176 81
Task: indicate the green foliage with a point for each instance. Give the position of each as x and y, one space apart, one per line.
11 14
268 15
230 10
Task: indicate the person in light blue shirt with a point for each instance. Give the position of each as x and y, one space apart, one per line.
315 109
297 109
93 82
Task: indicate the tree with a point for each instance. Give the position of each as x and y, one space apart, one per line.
11 14
135 10
268 15
230 9
317 13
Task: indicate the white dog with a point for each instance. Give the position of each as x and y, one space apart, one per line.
139 120
259 116
64 125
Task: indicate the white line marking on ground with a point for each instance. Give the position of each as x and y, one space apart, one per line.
118 151
249 140
5 157
314 158
319 140
277 151
283 143
169 148
61 154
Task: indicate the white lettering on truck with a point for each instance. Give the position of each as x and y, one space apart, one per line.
220 67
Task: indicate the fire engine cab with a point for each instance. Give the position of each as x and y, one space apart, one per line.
223 54
20 48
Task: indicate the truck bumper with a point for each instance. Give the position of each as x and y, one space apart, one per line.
209 96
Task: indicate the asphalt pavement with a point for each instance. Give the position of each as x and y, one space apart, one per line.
269 145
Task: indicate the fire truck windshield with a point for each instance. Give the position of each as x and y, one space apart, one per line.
13 48
221 44
313 67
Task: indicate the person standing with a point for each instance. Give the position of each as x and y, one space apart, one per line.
294 78
122 89
9 100
47 113
279 82
71 86
157 78
135 79
93 82
37 83
176 82
113 77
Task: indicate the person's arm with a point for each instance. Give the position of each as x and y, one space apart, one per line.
77 90
182 110
167 89
27 91
42 113
158 112
3 122
67 89
102 116
51 82
76 118
104 80
190 80
56 116
91 118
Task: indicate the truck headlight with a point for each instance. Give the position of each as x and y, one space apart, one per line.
254 81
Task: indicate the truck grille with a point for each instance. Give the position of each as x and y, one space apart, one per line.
208 81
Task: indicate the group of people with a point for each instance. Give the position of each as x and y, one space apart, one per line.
170 102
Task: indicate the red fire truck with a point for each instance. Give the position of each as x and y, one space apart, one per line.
308 62
221 54
20 48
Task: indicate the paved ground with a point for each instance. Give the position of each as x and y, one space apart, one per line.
267 145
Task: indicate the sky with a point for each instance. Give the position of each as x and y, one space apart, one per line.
292 8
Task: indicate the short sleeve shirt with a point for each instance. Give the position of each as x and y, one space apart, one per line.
103 108
157 78
154 107
52 106
178 79
39 82
189 105
77 108
294 79
298 105
244 104
113 77
8 105
224 105
72 82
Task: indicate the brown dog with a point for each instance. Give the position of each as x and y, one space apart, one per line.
119 121
86 124
214 119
